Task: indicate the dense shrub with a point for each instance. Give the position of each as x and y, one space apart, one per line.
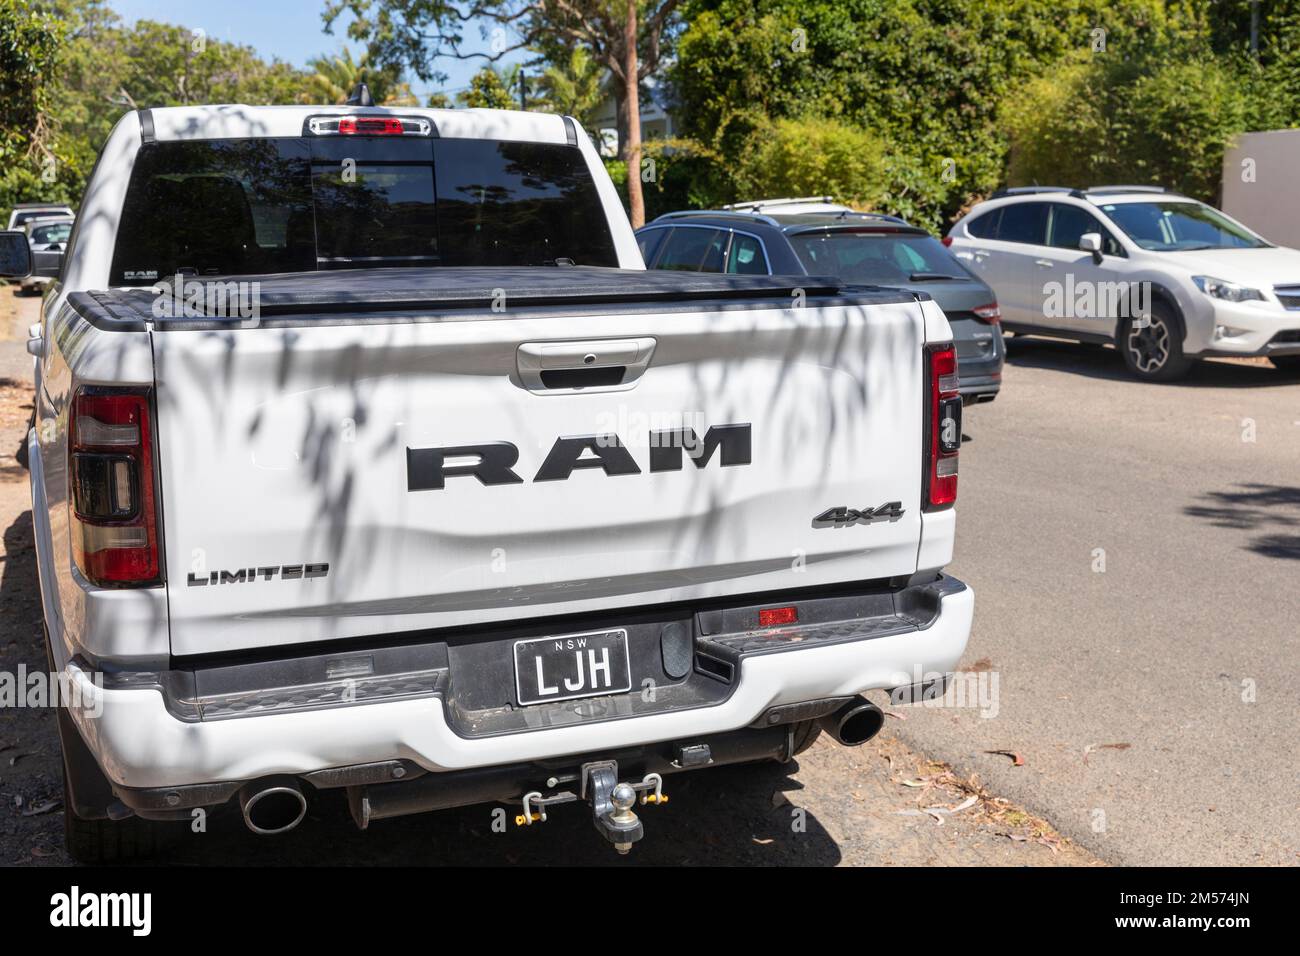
1094 122
812 157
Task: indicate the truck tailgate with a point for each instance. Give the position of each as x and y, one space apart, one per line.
349 472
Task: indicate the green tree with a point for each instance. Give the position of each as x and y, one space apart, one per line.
572 87
30 44
629 38
929 77
106 69
487 90
333 78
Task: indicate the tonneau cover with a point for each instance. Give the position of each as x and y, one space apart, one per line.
307 294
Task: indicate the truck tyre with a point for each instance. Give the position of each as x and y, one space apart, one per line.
1154 353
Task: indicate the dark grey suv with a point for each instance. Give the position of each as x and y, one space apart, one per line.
861 248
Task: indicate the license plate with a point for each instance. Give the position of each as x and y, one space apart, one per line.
572 665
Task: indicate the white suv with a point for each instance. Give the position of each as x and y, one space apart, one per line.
1164 277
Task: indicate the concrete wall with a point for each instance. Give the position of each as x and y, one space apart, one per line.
1270 204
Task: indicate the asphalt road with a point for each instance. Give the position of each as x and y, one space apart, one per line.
1154 702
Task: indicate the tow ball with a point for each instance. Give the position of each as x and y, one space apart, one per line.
611 802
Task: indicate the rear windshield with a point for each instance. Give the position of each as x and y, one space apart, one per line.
876 258
263 206
22 218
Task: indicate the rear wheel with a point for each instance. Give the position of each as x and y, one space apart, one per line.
1286 363
1153 351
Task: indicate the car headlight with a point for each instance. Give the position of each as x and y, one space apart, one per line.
1223 289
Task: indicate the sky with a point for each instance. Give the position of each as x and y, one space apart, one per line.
288 29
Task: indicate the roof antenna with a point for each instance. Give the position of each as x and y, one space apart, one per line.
360 96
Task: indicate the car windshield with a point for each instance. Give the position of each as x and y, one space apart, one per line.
55 232
1172 226
876 258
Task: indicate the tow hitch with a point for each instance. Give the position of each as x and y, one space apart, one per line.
611 802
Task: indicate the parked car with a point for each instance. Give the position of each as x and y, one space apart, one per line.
1165 278
48 239
25 212
811 236
473 508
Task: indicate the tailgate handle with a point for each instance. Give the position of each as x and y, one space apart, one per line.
552 368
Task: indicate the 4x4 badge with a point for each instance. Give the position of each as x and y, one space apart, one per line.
842 515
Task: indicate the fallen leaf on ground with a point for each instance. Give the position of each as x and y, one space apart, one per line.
1016 759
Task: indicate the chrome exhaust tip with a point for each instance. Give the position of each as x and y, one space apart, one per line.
854 723
272 805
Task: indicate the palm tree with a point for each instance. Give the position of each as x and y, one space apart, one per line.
334 77
574 86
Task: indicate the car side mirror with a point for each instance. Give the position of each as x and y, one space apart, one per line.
1091 242
15 255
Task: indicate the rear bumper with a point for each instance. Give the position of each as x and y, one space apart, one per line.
143 736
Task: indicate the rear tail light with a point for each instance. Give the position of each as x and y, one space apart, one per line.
946 240
114 510
988 313
943 429
369 126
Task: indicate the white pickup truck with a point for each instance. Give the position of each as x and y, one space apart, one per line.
369 461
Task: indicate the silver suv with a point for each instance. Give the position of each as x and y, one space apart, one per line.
1164 277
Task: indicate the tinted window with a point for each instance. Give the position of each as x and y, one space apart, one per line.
746 256
512 204
1024 222
985 226
1069 223
373 209
876 258
693 249
22 218
195 207
648 242
257 206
